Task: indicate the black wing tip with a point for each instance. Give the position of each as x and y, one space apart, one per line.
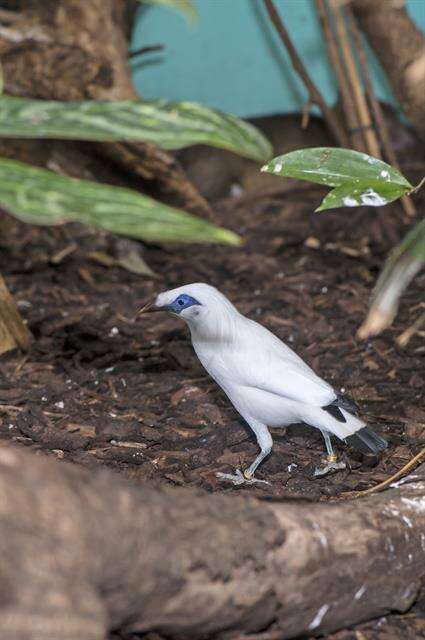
346 403
334 411
341 402
366 440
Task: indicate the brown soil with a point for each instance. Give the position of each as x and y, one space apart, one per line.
99 388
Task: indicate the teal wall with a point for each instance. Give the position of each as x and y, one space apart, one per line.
233 61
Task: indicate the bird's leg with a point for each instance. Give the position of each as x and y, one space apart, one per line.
331 455
265 443
249 473
331 462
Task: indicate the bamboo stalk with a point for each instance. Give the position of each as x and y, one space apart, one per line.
378 114
315 95
349 108
370 138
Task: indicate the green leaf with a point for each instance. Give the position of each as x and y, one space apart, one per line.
334 167
358 178
366 192
404 262
170 125
186 7
42 197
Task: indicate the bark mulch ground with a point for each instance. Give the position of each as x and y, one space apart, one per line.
99 388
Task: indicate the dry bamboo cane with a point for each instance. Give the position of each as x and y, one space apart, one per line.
348 105
378 115
371 140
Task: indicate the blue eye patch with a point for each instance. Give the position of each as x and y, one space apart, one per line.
183 301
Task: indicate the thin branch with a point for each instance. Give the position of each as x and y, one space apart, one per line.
418 186
143 50
315 95
305 120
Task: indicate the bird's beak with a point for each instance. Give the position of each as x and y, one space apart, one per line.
150 307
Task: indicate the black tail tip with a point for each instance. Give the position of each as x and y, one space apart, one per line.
366 440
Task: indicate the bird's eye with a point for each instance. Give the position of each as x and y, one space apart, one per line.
180 302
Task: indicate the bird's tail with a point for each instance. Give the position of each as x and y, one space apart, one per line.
366 440
336 419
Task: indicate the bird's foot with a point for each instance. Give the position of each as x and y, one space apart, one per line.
331 464
239 478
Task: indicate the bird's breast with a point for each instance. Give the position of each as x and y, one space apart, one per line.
220 361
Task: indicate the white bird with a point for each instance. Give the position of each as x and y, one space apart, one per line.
267 382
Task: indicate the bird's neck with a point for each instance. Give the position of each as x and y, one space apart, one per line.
216 328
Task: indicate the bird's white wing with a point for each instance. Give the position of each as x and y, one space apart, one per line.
267 363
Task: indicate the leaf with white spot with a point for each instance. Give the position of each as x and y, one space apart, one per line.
376 194
357 178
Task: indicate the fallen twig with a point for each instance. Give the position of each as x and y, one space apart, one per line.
386 483
404 338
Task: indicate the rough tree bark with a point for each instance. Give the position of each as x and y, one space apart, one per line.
400 47
83 552
13 332
73 50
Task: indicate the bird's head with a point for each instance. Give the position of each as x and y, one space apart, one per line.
199 304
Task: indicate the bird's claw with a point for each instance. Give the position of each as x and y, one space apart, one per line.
239 478
328 467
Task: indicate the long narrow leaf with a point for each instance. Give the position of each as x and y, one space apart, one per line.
42 197
170 125
403 264
186 7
